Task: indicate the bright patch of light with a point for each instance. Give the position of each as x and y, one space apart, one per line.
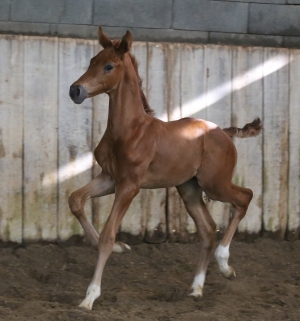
80 165
239 82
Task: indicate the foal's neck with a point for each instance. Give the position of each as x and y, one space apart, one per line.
126 111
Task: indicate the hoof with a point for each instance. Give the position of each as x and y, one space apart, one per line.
197 293
120 247
229 274
93 292
85 305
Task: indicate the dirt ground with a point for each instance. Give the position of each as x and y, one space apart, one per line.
151 282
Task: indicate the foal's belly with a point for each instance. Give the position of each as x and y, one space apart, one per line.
173 166
157 180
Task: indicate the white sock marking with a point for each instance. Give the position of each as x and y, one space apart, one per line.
198 283
222 256
93 292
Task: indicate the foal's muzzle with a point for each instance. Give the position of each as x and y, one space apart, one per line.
78 94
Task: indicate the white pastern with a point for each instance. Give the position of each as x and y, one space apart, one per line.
198 284
222 256
93 292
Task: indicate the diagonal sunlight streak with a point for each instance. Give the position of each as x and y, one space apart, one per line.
268 67
76 167
239 82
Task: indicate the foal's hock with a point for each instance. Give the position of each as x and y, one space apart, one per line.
140 151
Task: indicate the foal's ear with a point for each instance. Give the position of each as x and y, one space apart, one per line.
103 39
125 43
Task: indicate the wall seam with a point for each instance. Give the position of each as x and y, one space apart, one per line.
23 141
58 154
288 148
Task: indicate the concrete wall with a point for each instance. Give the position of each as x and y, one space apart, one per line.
268 23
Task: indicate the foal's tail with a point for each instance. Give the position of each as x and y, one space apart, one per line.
249 130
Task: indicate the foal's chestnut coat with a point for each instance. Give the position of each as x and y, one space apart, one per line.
140 151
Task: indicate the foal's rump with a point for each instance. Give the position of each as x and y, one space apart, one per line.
218 163
220 156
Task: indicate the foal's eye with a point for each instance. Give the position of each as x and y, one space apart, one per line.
109 67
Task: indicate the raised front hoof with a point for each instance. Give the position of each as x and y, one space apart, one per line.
120 247
229 274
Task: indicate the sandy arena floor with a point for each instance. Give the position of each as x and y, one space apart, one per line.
152 282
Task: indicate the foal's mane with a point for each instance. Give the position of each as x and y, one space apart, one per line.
134 62
146 106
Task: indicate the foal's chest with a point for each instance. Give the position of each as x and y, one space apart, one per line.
111 156
104 155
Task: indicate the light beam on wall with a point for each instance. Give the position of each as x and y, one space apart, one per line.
207 99
76 167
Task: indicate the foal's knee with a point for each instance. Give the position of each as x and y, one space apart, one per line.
207 238
75 204
210 239
243 203
248 195
106 239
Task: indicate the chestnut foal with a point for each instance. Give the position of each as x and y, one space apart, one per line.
140 151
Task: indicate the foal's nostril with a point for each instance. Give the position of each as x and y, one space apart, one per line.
74 91
77 91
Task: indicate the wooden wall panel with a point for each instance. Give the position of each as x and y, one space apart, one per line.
176 213
275 136
192 76
218 66
40 138
294 148
75 133
154 202
247 103
11 137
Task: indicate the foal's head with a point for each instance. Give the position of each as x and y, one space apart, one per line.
105 69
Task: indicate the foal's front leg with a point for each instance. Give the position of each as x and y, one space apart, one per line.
124 194
101 185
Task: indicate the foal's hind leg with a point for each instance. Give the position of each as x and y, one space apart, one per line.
240 198
101 185
191 194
